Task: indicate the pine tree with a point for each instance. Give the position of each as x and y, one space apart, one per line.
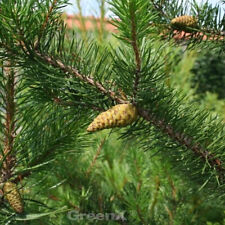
161 161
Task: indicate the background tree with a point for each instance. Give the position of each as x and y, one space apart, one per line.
165 168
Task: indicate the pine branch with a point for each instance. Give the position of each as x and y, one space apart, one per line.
189 142
135 48
163 116
210 21
180 138
8 159
84 78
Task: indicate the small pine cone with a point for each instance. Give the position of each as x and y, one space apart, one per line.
118 116
184 22
13 196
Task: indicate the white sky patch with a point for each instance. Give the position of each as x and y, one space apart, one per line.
91 7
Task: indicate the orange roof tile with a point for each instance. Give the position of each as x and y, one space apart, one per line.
91 22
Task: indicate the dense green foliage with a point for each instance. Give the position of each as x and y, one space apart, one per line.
166 168
209 73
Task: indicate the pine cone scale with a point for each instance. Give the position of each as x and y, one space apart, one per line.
118 116
184 22
13 196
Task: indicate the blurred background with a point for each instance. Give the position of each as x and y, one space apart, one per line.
91 7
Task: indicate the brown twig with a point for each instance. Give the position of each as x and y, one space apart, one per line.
135 48
159 9
174 192
140 215
170 215
95 158
45 24
139 184
7 158
87 79
21 176
155 198
184 140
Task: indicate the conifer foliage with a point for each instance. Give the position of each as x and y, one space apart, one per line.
54 86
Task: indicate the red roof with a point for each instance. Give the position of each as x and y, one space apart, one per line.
91 22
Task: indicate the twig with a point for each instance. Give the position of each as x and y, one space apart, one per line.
155 199
135 48
21 176
172 187
87 79
159 8
96 156
8 158
139 184
45 24
184 140
170 215
140 215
